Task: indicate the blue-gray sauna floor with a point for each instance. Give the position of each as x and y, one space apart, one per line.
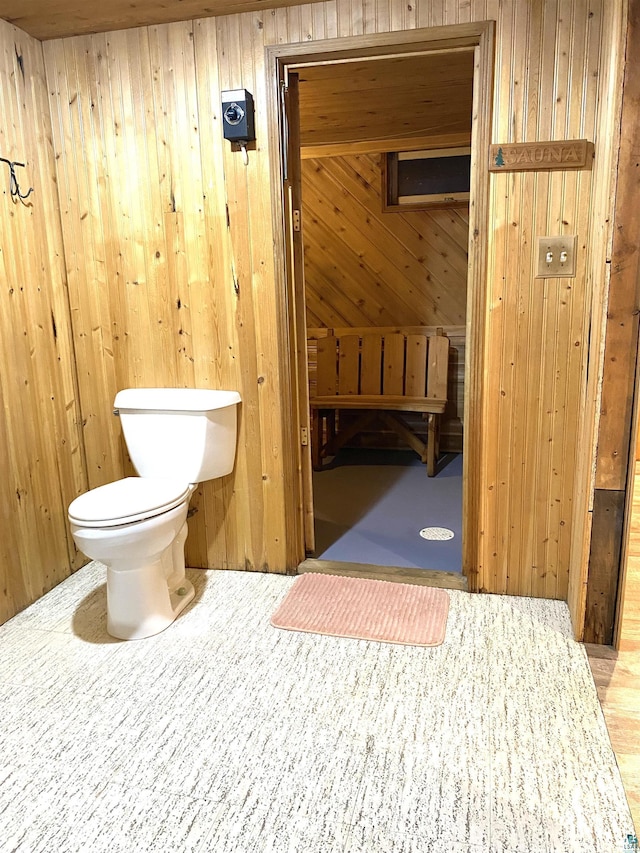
370 507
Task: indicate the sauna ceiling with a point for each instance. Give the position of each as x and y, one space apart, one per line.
388 100
49 19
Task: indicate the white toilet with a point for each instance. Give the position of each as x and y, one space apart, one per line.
176 437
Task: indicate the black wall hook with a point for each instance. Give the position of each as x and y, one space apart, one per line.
14 187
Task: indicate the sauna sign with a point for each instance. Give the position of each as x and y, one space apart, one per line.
541 156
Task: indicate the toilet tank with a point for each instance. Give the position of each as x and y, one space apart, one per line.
182 433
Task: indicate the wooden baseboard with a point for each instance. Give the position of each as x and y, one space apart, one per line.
396 574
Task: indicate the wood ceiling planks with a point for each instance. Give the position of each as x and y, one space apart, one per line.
49 19
379 99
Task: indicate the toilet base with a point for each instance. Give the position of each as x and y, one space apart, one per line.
141 604
146 584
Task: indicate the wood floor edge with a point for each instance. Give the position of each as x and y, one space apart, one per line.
398 574
616 675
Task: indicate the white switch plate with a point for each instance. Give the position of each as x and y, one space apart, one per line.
557 256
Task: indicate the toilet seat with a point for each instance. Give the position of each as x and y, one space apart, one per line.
128 500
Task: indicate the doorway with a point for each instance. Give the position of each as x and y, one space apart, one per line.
416 56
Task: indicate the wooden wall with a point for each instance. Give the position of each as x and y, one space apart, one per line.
41 456
613 480
365 267
548 71
165 288
170 282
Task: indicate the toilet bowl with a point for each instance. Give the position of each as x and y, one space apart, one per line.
137 526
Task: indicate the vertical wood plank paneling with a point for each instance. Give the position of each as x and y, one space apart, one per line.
173 290
344 18
383 16
239 276
610 581
371 380
181 291
519 310
216 500
604 80
327 371
349 365
42 456
538 329
269 304
393 376
416 366
91 286
614 452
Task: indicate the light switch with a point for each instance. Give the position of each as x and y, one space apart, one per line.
557 257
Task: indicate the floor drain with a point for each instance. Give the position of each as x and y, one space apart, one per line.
439 534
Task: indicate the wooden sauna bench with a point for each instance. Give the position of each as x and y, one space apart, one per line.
381 372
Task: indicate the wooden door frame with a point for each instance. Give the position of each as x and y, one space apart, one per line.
480 36
618 445
618 405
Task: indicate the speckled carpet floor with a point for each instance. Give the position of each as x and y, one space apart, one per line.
226 734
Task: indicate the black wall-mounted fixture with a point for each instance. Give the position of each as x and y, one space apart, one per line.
237 116
14 187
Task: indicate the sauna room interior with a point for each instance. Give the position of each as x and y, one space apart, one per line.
418 396
374 265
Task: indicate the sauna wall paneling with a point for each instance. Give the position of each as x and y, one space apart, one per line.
369 267
548 66
598 254
169 293
537 330
40 438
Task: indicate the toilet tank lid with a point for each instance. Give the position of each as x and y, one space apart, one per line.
175 399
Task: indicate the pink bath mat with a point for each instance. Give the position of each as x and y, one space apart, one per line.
365 610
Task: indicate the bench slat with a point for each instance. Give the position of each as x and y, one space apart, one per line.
327 370
393 379
438 367
371 370
348 364
363 331
416 372
374 401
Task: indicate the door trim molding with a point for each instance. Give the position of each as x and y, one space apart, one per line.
279 59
